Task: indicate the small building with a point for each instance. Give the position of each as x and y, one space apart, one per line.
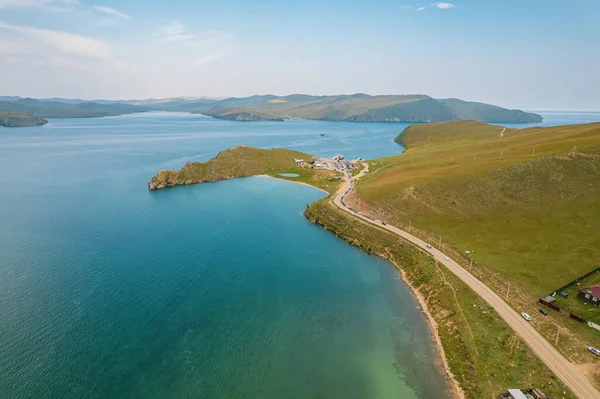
317 165
590 294
530 393
299 162
348 165
548 299
338 157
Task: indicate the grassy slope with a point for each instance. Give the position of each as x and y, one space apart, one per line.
245 161
10 119
484 354
531 221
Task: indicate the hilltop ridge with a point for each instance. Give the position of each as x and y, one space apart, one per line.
359 107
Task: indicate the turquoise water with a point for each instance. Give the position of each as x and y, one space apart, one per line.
218 290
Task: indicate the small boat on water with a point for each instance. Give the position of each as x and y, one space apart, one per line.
322 134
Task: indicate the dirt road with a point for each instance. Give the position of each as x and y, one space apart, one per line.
556 362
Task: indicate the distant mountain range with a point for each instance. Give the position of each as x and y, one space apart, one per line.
352 108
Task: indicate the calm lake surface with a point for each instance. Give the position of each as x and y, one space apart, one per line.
218 290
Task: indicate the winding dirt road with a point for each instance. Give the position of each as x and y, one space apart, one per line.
559 365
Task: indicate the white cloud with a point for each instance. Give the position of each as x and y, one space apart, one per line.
35 3
211 58
111 11
62 41
175 32
420 8
443 6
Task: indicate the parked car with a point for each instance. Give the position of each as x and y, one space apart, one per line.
446 258
526 316
543 311
563 294
594 350
428 246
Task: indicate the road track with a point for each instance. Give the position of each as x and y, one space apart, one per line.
551 357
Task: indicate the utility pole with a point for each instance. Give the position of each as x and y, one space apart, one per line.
507 292
409 224
557 332
440 245
471 261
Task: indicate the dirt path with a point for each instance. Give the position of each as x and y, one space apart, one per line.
556 362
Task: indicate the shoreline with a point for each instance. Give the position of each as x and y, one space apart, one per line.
295 182
441 360
433 328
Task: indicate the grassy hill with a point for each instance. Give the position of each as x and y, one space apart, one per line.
245 161
56 109
483 189
526 209
10 119
364 108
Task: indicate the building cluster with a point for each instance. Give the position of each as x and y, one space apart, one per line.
590 294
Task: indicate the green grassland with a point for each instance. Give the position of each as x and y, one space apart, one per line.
529 213
577 306
533 219
326 180
11 119
245 161
484 354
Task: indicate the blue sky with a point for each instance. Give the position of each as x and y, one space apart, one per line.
517 53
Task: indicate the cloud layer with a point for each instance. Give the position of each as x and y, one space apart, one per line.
112 11
443 6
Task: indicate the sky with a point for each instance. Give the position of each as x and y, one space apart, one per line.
529 54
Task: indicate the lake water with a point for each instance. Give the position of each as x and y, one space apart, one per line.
218 290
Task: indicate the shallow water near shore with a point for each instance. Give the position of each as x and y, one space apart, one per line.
216 290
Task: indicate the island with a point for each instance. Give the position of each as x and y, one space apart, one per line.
13 119
246 116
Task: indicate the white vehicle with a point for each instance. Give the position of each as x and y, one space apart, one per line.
428 246
526 316
594 350
447 258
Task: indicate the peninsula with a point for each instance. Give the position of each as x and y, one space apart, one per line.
240 161
13 119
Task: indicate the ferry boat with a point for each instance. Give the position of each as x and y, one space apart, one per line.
322 134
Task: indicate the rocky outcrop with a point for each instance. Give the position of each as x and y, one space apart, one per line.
164 178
